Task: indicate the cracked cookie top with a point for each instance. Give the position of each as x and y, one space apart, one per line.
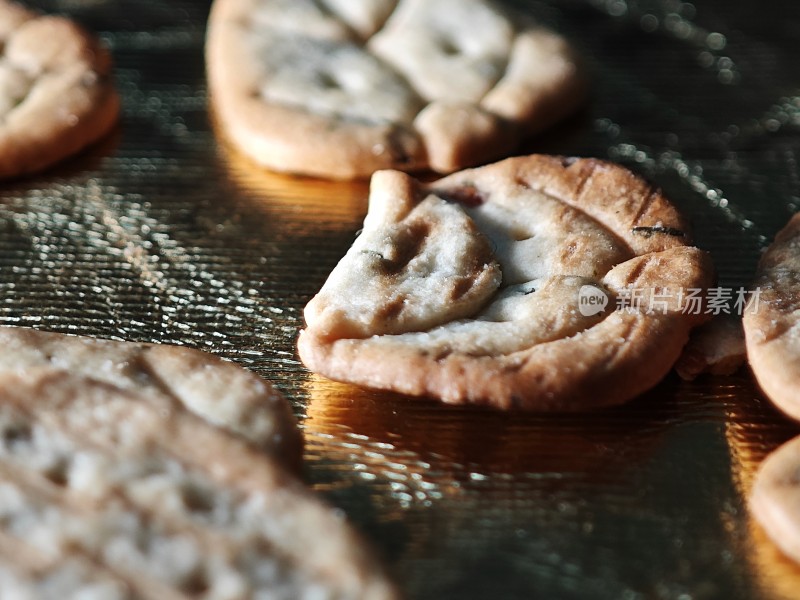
470 288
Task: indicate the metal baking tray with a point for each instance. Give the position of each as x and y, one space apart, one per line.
163 234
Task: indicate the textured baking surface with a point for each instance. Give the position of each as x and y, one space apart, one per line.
158 235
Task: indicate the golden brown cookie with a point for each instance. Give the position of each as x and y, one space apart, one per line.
218 391
716 348
56 95
341 89
775 497
537 282
772 321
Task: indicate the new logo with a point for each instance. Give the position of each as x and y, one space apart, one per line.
591 300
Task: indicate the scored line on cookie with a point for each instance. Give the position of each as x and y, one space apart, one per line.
504 285
439 85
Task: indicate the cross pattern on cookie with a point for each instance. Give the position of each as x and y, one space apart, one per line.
55 92
468 288
144 471
341 89
217 391
163 504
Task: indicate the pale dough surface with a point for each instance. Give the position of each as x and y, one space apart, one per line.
217 391
468 288
772 321
775 497
148 471
341 89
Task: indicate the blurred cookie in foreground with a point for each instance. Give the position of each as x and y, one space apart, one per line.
145 476
342 89
538 282
772 321
220 392
56 95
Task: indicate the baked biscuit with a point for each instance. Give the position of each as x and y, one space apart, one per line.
716 348
772 321
56 96
341 89
471 288
775 498
103 491
218 391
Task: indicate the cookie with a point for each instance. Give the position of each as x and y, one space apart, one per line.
715 348
341 89
772 321
537 282
751 436
146 503
775 498
219 392
56 96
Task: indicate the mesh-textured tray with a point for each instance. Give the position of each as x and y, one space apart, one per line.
161 234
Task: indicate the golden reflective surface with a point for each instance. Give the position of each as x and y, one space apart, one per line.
302 199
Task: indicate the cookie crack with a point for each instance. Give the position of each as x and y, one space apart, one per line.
365 40
645 206
578 208
454 49
144 368
385 21
329 13
502 69
421 104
